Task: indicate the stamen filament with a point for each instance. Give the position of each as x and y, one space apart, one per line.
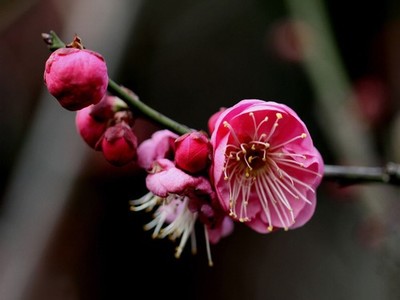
227 125
274 126
264 201
273 201
147 202
301 136
210 261
301 168
193 242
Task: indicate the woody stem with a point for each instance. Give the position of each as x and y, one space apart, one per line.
348 175
132 100
344 175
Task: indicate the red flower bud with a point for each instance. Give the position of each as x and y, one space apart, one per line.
119 144
76 77
192 152
90 128
106 108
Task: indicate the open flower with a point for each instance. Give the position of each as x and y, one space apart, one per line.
265 166
182 200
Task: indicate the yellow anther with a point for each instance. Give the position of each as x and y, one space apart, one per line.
279 116
253 147
270 228
303 135
178 252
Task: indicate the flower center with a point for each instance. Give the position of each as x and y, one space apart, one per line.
262 168
253 156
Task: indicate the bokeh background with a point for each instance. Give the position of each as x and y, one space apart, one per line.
66 231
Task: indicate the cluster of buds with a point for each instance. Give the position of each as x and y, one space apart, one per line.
256 164
78 79
108 127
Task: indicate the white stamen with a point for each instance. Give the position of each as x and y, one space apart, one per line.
274 126
301 136
300 168
210 261
263 200
257 127
147 202
272 200
227 125
259 163
193 242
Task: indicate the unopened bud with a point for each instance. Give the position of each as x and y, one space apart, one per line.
119 144
77 78
91 129
192 152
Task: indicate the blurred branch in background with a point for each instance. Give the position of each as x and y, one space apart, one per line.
52 156
348 175
347 138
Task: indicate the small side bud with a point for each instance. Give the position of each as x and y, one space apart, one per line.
119 144
192 152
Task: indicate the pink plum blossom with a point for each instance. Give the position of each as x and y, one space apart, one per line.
182 200
265 166
166 179
76 77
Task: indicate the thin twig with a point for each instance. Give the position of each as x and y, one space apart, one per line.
344 175
349 175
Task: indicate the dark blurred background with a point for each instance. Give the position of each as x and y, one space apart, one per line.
66 231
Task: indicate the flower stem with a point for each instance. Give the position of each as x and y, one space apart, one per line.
53 41
138 106
344 175
132 100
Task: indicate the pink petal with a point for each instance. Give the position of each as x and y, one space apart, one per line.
169 179
158 146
